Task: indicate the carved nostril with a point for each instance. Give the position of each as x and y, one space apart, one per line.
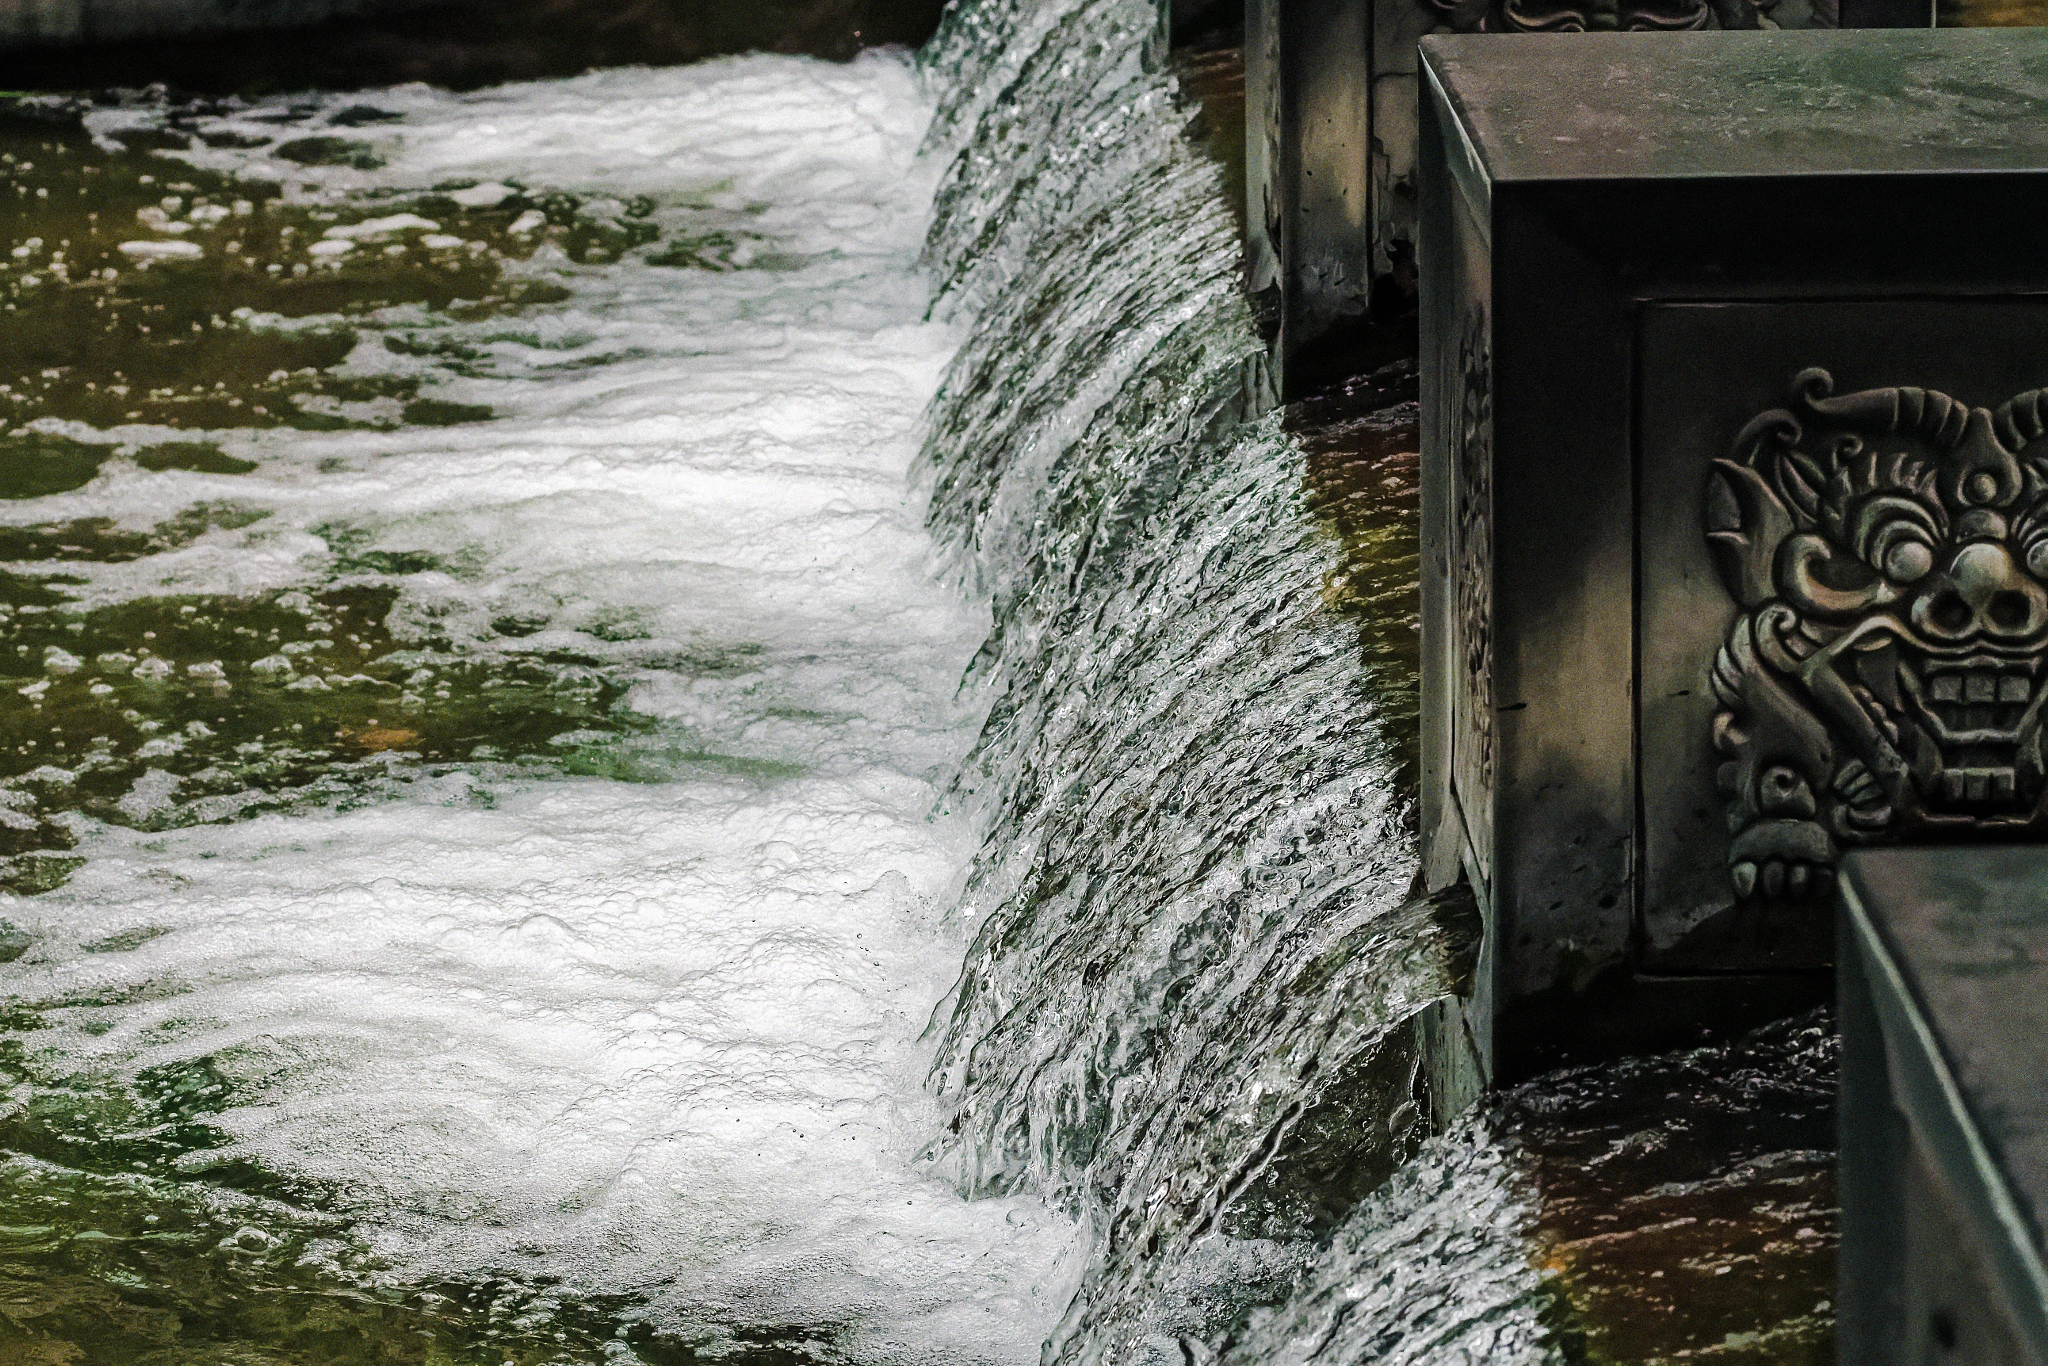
1950 613
2007 610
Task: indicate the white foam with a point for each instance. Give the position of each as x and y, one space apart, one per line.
487 195
657 1038
379 229
162 251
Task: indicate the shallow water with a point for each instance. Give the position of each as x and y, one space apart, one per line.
478 717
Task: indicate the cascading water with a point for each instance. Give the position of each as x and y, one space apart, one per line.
1193 926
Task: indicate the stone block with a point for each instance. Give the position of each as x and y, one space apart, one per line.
1735 500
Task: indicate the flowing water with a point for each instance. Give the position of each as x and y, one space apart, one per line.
478 713
697 715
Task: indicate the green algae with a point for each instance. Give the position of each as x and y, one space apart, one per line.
435 412
37 464
253 329
153 712
330 151
200 457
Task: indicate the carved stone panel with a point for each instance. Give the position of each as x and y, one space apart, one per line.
1471 609
1843 632
1637 16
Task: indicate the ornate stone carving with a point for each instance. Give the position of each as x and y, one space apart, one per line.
1572 16
1472 543
1888 550
1589 16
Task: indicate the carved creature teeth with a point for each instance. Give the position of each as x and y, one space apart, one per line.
1979 694
1978 784
1979 686
1976 705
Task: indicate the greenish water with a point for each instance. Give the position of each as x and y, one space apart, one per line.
252 701
122 1239
248 335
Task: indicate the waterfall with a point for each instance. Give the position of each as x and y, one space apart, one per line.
1193 932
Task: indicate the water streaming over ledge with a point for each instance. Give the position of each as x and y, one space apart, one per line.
1194 932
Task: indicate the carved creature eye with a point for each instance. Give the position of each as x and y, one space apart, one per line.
2037 558
1906 560
1896 536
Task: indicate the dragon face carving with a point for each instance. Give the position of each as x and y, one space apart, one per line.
1889 553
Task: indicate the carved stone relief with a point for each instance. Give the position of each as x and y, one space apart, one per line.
1472 563
1572 16
1592 16
1888 550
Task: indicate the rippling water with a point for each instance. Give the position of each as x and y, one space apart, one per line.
477 722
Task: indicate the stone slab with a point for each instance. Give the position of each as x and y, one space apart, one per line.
1621 106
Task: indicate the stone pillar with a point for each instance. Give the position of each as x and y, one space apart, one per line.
1735 442
1308 134
1331 100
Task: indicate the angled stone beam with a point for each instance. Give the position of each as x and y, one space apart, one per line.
1944 1115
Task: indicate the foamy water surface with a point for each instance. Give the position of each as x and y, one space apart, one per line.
657 1038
